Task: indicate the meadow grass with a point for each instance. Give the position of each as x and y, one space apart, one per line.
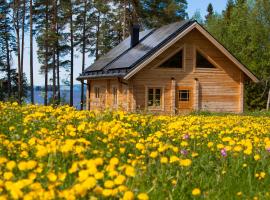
61 153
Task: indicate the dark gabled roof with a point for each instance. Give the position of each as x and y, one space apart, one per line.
123 58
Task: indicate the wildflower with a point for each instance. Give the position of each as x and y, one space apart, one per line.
186 136
239 193
210 144
107 192
128 195
154 154
52 177
174 159
185 162
196 192
99 175
130 171
164 160
114 161
257 157
8 175
10 165
119 180
223 152
109 184
184 152
143 196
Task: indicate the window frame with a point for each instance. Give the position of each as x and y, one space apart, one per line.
157 66
181 92
154 108
195 68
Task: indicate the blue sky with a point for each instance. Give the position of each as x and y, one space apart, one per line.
193 6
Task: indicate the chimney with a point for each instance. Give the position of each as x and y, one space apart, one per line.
135 35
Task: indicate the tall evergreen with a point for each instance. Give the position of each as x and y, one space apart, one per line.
160 12
210 11
7 43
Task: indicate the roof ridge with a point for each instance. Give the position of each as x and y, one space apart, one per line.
116 58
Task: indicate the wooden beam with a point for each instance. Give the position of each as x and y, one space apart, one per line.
241 95
107 94
196 94
88 95
173 92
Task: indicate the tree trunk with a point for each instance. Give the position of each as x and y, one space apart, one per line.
46 56
83 52
58 72
71 51
19 66
8 62
268 101
17 30
54 46
125 20
57 56
22 47
31 53
97 36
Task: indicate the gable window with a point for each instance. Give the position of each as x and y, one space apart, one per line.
176 61
97 92
154 97
202 62
115 98
184 95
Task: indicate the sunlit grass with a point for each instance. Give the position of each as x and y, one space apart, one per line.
61 153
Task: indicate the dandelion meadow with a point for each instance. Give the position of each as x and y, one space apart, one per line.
61 153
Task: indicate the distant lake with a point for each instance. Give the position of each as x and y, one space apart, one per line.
64 90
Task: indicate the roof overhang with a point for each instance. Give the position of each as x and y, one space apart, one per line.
197 26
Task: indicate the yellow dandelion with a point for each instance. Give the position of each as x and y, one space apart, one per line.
196 192
143 196
128 195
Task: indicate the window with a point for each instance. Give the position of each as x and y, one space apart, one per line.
176 61
154 97
97 92
202 62
184 95
115 96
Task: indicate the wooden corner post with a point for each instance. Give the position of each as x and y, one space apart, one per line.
173 92
241 101
196 94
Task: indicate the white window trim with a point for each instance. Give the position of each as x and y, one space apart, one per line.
183 69
162 106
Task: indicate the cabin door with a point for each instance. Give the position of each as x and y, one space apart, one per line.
184 98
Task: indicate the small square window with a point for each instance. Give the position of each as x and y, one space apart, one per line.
184 95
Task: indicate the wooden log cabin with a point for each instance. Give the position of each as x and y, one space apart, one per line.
177 68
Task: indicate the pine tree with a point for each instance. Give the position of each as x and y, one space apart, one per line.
229 7
82 33
31 53
7 43
210 11
160 12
